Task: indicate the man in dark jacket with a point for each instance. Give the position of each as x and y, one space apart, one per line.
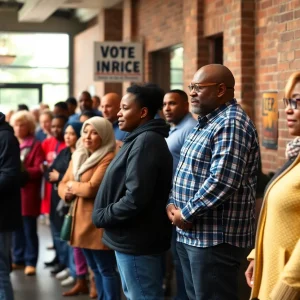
10 212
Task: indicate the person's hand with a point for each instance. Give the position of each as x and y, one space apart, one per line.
179 222
69 197
249 273
170 211
44 166
53 176
69 186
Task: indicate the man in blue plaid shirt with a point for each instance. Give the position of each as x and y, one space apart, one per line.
213 196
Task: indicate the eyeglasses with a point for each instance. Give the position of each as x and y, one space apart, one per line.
197 87
292 103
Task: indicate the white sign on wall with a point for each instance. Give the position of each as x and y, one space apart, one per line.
118 62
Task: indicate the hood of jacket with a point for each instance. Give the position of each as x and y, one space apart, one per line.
3 124
156 125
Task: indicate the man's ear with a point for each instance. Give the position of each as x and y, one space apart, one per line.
221 89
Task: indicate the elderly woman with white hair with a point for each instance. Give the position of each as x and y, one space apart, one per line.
25 240
80 185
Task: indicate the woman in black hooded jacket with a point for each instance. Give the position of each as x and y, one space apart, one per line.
131 201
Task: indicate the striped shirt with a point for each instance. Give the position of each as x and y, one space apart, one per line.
215 181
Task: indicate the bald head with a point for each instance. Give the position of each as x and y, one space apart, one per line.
215 73
213 86
110 106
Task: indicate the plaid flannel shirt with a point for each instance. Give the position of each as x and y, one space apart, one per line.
215 181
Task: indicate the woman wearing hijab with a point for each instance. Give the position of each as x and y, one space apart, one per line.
273 272
80 184
131 201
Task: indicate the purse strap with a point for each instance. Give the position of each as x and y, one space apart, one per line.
71 208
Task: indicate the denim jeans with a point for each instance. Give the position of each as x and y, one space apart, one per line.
71 262
181 292
141 275
211 273
6 292
61 247
26 243
103 264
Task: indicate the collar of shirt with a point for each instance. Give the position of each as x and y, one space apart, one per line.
214 114
181 124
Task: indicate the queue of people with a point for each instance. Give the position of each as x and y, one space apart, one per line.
136 185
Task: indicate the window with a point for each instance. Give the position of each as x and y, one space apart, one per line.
216 49
167 68
40 58
176 68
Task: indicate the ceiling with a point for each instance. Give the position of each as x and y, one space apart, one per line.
40 10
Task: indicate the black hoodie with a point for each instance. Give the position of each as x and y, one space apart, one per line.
131 202
10 168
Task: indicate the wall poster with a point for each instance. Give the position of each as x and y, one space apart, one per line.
270 120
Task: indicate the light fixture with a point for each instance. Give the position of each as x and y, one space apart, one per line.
6 58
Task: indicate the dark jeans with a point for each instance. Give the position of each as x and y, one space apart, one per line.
6 292
103 264
181 292
211 273
26 243
141 275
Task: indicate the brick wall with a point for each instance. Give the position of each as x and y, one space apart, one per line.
195 45
261 46
277 57
158 24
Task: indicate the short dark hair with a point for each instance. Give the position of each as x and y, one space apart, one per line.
88 113
149 95
87 93
62 105
183 95
23 107
72 101
97 97
64 118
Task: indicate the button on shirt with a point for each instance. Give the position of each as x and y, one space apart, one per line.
177 136
215 181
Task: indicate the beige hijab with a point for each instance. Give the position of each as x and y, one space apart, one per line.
82 160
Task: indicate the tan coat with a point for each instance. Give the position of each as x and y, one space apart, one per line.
84 233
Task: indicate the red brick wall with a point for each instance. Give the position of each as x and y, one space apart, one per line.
235 19
261 46
158 24
195 46
277 56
